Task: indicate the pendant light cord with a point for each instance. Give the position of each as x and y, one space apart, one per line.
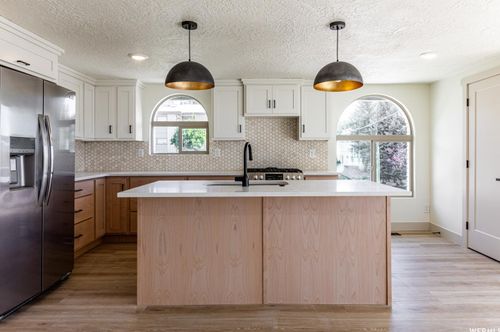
337 45
189 42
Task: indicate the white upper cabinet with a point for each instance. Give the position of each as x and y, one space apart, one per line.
314 120
88 109
118 112
105 112
27 52
74 84
228 121
272 97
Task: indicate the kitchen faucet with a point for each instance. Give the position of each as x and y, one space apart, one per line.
247 155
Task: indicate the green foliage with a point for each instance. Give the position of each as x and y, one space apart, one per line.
193 139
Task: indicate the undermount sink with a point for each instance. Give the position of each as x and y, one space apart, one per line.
252 183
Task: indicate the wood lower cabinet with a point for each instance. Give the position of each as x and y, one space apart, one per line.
100 207
117 209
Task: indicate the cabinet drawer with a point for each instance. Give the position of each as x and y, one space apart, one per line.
84 188
84 208
28 57
84 233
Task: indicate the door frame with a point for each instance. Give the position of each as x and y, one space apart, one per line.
465 84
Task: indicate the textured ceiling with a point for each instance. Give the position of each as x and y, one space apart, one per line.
266 38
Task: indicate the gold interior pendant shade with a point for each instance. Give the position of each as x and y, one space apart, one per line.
339 75
189 75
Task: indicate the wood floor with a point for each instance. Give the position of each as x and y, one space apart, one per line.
437 286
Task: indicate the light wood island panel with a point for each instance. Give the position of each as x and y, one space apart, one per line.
325 250
199 251
271 250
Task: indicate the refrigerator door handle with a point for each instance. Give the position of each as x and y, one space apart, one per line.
51 159
45 159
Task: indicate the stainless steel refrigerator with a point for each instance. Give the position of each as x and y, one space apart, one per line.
37 163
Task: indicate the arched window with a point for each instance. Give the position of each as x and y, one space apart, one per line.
179 125
374 142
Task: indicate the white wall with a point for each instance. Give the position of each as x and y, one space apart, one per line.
416 99
448 146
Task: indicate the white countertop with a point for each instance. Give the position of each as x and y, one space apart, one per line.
81 176
294 188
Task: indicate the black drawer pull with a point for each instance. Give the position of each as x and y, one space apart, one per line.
497 179
77 211
78 190
78 236
23 63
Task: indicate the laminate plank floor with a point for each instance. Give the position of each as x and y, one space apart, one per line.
437 286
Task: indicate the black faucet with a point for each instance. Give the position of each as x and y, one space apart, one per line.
247 155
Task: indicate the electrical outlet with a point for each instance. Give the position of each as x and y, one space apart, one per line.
140 153
217 152
312 153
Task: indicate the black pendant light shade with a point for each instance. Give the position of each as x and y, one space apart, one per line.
339 75
189 75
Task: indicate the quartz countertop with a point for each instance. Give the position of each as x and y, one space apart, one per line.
256 189
81 176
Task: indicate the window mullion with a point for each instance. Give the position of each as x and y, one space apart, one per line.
373 163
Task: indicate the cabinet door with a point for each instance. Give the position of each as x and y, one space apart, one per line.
125 112
74 84
286 100
229 123
117 209
88 110
105 112
258 100
100 207
314 123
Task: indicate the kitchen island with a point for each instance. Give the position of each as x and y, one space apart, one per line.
308 242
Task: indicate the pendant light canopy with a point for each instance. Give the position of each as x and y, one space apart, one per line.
189 75
339 75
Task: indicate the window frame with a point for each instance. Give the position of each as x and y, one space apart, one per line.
179 124
374 139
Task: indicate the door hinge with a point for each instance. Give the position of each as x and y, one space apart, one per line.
467 164
466 225
467 102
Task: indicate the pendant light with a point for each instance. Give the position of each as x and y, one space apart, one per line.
189 75
339 75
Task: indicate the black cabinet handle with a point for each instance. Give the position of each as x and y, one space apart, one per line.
77 211
303 128
274 103
110 129
497 179
78 236
78 190
130 129
239 128
23 63
269 103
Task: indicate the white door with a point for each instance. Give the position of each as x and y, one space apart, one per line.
286 100
125 101
228 116
105 112
314 114
484 169
75 85
258 100
88 110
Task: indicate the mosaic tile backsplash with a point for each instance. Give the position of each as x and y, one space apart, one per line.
274 143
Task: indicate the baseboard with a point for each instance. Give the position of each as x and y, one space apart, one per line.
120 238
412 226
449 235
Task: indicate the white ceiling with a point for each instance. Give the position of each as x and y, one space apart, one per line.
266 38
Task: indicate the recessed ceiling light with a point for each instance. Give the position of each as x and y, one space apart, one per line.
428 55
138 57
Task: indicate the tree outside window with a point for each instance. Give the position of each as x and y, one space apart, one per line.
374 142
